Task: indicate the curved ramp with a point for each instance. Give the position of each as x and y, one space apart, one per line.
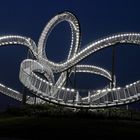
47 89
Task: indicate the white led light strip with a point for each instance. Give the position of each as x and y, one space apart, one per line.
47 89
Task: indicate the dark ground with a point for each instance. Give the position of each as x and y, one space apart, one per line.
43 126
36 128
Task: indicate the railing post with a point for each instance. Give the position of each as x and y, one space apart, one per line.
89 96
77 97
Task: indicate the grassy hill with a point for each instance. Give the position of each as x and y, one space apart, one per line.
37 122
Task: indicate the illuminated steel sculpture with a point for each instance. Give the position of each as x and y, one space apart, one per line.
47 89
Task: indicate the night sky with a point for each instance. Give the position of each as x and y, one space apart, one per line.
97 19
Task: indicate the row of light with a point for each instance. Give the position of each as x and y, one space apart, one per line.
74 28
3 86
127 86
91 48
100 70
107 40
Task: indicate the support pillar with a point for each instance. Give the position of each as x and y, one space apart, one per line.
113 66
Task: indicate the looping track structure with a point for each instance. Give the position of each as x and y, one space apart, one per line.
38 74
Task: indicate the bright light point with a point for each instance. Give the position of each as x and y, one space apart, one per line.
39 75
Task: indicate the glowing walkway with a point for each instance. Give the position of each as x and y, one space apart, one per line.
47 89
